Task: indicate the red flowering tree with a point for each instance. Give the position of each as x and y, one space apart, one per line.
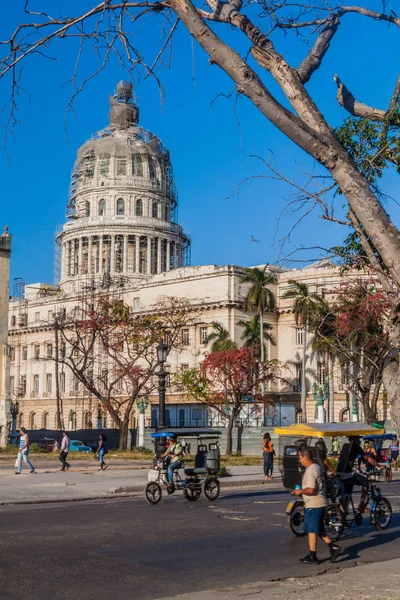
353 327
225 378
111 351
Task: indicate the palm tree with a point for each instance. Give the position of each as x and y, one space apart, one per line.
260 298
251 333
220 338
306 307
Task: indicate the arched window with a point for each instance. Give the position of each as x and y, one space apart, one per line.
102 207
139 208
137 165
45 420
87 421
155 210
120 206
72 420
20 420
87 208
32 420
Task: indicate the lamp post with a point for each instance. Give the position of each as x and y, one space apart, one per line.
142 403
14 410
162 353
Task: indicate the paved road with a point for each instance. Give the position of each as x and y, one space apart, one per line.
120 548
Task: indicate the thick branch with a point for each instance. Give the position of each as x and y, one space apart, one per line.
355 108
313 60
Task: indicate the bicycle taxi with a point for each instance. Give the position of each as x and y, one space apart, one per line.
202 476
382 445
340 511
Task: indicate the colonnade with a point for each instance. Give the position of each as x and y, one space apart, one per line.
120 254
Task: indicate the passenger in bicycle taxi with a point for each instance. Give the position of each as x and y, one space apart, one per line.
175 453
394 447
353 468
314 498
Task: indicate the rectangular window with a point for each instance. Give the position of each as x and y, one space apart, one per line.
203 335
23 320
297 381
184 367
49 383
37 316
344 379
135 303
12 386
23 386
62 350
321 373
50 315
12 353
62 382
137 165
76 384
36 385
13 321
121 166
36 351
299 336
49 349
185 337
104 164
24 352
152 167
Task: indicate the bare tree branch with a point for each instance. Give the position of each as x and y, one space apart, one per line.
355 108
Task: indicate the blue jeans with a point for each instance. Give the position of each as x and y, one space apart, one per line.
268 463
24 456
170 471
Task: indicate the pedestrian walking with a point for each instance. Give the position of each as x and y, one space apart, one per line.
23 453
268 454
64 451
314 498
394 447
101 451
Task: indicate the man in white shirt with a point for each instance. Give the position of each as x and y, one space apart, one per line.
313 492
64 451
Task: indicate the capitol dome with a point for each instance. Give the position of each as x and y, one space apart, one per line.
122 209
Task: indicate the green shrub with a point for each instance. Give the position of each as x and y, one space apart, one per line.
36 448
142 450
224 472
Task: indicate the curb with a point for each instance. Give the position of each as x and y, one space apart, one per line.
133 491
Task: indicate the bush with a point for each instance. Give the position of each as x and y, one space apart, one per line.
142 450
224 472
36 448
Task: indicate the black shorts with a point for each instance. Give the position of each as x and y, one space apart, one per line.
355 479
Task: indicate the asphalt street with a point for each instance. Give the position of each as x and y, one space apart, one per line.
125 548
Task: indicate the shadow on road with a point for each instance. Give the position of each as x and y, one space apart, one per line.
261 493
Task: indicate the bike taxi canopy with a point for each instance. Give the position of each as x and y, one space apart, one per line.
187 432
299 430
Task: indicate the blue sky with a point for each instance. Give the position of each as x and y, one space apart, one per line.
210 152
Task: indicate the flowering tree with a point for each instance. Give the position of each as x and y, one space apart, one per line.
353 328
111 351
225 378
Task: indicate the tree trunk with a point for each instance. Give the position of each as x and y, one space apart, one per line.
331 389
391 380
229 431
303 378
262 357
123 436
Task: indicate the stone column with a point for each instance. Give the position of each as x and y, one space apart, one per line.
177 261
100 255
168 254
125 255
137 253
80 258
90 257
159 255
112 267
148 255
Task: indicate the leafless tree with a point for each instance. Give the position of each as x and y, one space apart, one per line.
108 28
111 351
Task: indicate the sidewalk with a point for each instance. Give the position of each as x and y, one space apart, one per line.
380 581
87 482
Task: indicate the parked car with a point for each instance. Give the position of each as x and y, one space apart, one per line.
78 446
47 444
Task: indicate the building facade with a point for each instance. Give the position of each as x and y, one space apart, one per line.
122 235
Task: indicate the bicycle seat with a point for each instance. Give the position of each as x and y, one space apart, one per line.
195 471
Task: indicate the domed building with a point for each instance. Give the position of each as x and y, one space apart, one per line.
122 209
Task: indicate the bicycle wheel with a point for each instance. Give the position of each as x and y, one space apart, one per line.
382 515
211 488
333 522
153 493
192 490
388 474
296 519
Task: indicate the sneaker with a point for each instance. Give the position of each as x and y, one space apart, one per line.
33 472
68 466
335 551
17 473
309 560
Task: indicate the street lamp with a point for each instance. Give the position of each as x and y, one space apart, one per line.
142 403
14 410
162 353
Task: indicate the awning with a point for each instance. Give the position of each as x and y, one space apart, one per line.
329 429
